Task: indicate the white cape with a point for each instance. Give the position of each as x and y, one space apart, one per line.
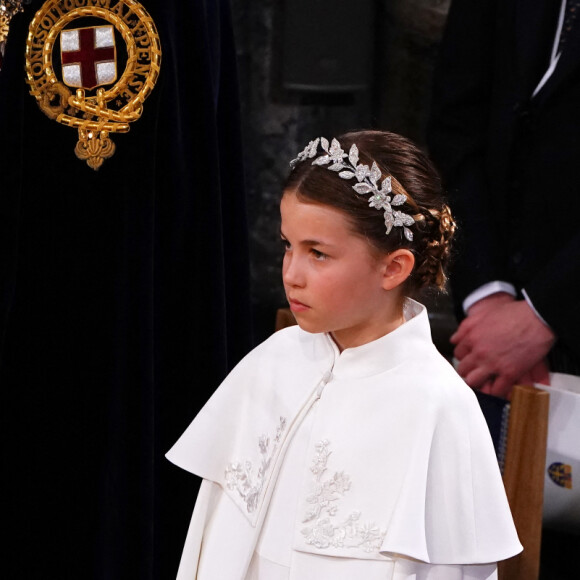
423 479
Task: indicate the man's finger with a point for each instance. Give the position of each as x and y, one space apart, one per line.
477 377
502 387
461 350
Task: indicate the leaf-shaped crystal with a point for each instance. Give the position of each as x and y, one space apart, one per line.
322 160
324 143
310 150
399 199
386 187
408 234
375 173
337 167
403 219
361 172
353 155
389 221
346 174
362 188
335 149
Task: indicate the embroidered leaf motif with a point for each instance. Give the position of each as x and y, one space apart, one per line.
241 477
324 532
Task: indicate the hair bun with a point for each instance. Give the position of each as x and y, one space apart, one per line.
433 258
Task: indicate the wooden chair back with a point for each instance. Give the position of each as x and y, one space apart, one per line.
523 477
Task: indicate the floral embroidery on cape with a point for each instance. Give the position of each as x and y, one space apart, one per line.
325 531
240 476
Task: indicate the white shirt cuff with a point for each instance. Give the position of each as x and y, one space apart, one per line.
527 299
487 290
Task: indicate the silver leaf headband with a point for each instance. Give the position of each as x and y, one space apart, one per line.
349 167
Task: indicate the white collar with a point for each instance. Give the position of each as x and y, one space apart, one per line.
407 342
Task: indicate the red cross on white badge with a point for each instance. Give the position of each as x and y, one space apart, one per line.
88 56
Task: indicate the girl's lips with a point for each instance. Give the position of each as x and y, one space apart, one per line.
296 306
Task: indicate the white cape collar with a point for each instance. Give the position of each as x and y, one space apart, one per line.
408 341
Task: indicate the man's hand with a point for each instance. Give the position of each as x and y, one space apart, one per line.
500 343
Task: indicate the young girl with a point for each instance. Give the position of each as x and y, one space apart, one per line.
346 447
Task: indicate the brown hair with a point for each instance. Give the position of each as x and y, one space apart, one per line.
413 174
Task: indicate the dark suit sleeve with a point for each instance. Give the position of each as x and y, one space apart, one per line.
554 294
458 139
549 221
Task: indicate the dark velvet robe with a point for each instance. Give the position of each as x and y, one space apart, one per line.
124 301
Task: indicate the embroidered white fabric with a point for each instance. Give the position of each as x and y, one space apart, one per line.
327 529
388 482
242 477
274 557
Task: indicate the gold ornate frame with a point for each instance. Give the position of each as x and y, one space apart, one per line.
107 111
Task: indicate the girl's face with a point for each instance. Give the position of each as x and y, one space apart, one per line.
332 278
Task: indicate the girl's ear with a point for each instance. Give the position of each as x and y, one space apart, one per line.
398 266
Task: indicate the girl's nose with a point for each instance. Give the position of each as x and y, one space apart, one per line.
292 274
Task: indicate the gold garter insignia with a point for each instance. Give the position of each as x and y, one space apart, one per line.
75 51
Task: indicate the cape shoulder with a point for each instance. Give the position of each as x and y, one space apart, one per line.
274 380
410 436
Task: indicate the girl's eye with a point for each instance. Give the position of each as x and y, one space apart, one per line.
286 244
318 255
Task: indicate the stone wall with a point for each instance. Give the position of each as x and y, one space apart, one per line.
278 123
